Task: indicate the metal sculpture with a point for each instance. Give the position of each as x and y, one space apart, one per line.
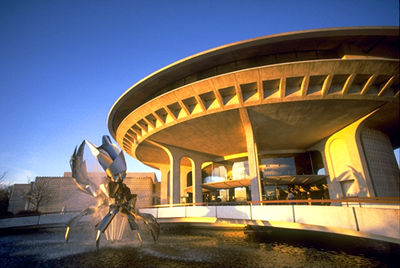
112 192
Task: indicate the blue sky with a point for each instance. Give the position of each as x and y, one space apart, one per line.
64 63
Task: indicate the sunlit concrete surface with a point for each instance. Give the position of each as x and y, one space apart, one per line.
374 223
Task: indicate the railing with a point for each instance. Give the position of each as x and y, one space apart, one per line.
350 201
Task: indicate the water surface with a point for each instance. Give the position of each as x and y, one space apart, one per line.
181 246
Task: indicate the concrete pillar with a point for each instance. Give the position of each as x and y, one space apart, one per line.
184 171
170 184
171 190
174 180
346 163
164 195
197 181
196 160
254 173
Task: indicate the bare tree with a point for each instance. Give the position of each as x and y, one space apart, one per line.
4 194
2 177
40 193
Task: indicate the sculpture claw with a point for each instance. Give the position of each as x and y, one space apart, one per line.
98 235
67 234
79 171
72 221
134 226
152 224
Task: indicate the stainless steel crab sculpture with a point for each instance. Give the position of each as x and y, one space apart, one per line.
112 192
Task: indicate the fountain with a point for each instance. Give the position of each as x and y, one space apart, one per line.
115 204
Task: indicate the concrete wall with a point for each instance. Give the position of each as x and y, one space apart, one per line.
18 200
375 223
344 158
273 213
327 216
379 221
62 194
143 187
201 211
49 219
19 222
381 162
233 212
172 212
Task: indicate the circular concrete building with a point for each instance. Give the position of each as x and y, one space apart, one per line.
312 113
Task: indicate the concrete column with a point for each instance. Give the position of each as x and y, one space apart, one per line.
254 173
197 181
164 197
348 170
184 171
171 191
174 180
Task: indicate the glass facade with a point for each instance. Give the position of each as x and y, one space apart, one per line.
218 174
297 176
300 176
277 166
240 170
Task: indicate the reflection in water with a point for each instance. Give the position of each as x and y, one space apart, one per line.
184 247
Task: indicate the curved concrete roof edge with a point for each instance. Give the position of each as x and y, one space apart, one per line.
267 39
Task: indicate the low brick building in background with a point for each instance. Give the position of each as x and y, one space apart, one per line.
18 199
61 194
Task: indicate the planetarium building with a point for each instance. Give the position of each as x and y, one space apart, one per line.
312 113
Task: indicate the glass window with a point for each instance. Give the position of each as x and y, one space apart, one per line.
273 192
223 195
240 170
277 166
214 173
240 194
270 193
321 171
219 172
209 179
